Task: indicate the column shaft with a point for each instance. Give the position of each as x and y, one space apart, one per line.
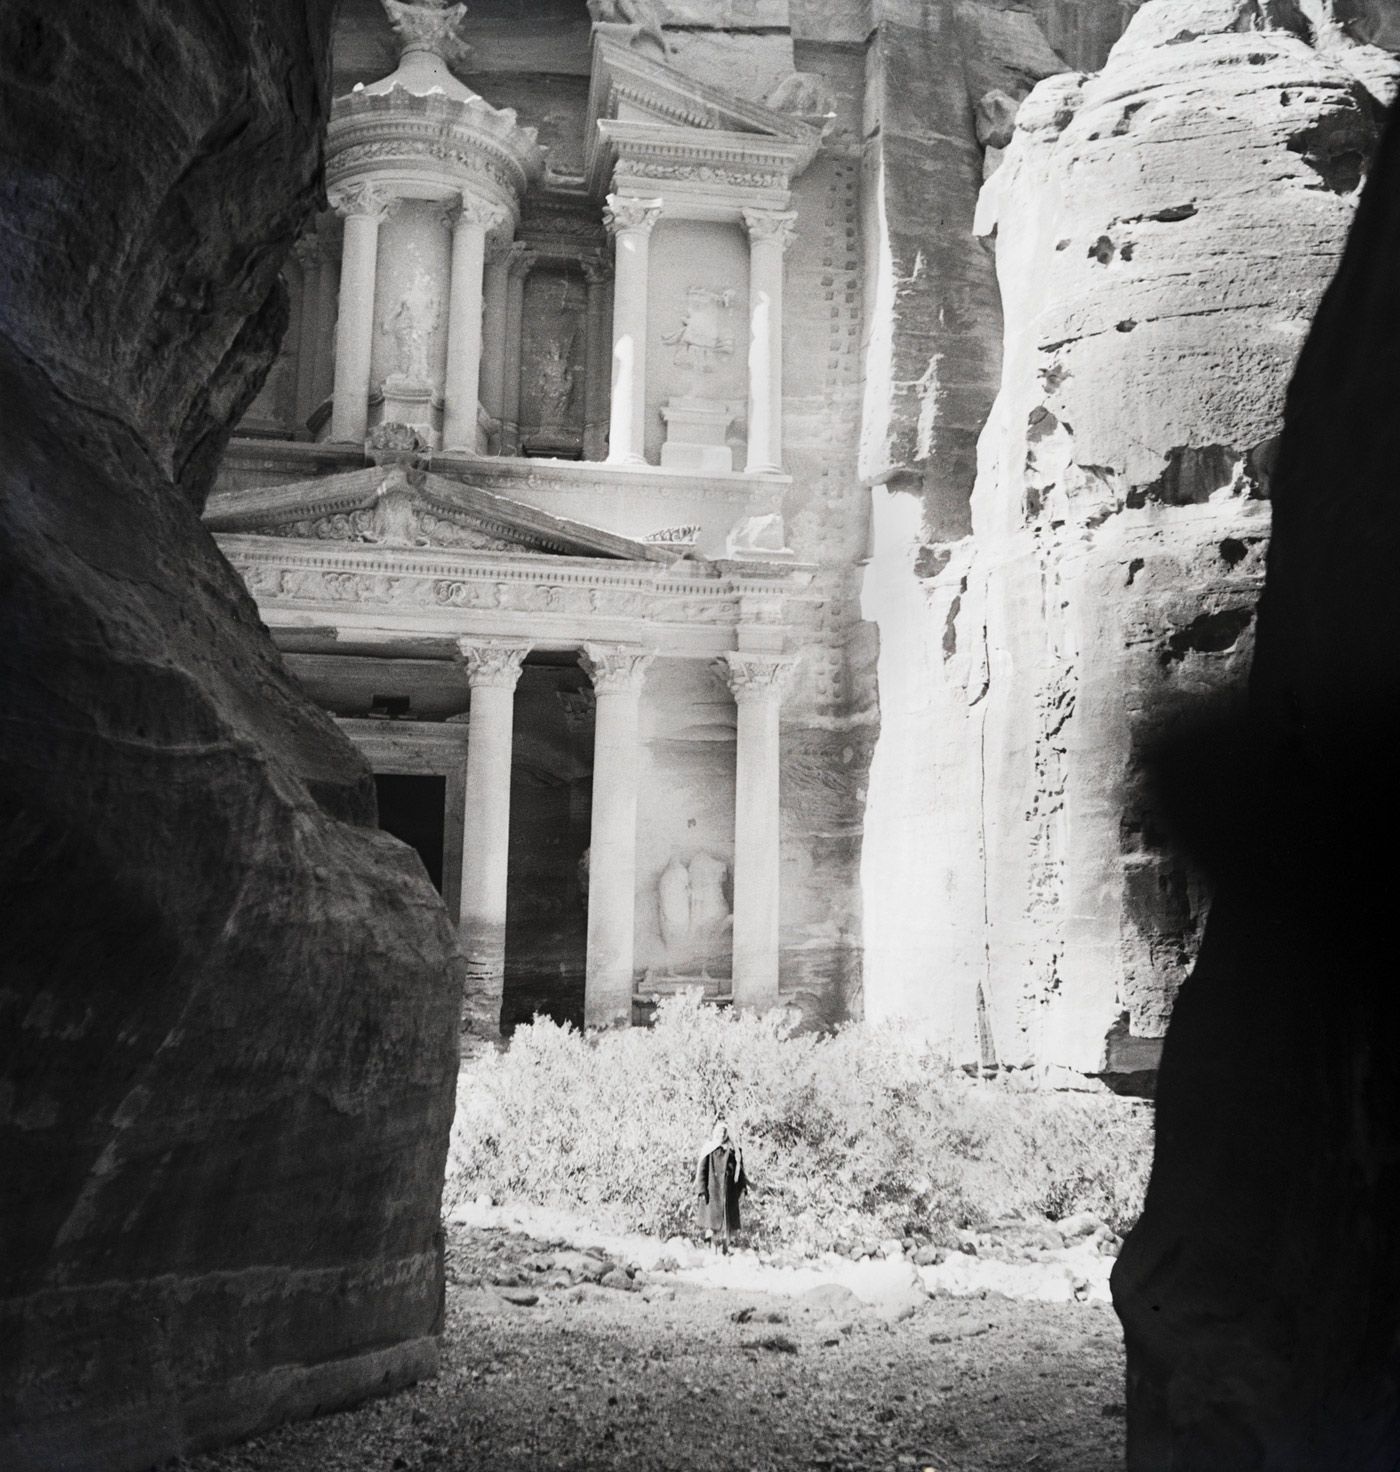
757 681
520 262
354 338
769 233
308 334
595 364
323 378
631 221
461 385
496 292
493 672
612 852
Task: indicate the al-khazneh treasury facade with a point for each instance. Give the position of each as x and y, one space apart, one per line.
517 502
758 479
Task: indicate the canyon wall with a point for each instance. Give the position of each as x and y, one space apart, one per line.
1260 1290
1163 231
227 1004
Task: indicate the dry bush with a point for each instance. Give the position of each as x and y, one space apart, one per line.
860 1134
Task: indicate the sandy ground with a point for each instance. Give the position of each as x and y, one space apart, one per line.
670 1374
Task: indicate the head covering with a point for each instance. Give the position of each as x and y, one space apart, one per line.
718 1135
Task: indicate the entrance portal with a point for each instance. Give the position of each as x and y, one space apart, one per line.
412 809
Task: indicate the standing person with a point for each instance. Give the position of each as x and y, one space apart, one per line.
719 1182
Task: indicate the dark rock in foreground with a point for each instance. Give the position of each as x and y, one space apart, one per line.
227 1004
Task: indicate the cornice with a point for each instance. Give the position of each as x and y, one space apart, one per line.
686 114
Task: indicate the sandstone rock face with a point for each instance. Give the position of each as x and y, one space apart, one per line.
227 1005
1260 1291
1163 232
931 311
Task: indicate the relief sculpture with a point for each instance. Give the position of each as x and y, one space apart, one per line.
410 326
701 343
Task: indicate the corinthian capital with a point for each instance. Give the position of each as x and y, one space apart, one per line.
779 225
628 212
429 25
473 211
373 200
755 676
615 668
492 666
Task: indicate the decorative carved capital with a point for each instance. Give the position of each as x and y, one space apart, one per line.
429 25
628 212
520 259
373 200
308 251
473 211
615 668
755 676
778 225
492 666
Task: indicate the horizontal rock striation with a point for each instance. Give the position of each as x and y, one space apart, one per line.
227 1004
1163 232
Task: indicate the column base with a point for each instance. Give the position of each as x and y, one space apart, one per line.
763 469
626 460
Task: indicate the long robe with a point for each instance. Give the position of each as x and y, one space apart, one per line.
719 1182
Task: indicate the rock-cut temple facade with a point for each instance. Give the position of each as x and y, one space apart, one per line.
618 488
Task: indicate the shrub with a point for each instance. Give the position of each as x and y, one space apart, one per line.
864 1133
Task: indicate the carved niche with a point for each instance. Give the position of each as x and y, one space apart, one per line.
553 357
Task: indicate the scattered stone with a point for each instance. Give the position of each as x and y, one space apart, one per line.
520 1297
926 1256
779 1343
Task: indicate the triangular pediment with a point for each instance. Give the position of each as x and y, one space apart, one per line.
635 100
393 506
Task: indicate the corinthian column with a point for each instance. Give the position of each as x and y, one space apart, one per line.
756 682
770 232
521 261
617 674
631 221
364 207
595 383
492 672
496 296
307 251
461 391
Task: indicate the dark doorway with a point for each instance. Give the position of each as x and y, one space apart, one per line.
550 812
411 808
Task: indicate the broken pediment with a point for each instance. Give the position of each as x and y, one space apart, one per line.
395 506
650 122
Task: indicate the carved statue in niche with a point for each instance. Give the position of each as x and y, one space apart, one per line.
691 905
701 342
554 383
642 16
410 326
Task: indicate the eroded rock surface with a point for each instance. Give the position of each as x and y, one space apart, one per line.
227 1005
1163 232
1260 1291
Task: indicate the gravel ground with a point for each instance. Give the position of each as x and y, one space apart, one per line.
662 1376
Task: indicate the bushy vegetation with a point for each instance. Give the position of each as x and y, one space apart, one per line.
856 1135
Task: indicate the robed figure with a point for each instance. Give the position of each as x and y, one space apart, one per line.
719 1182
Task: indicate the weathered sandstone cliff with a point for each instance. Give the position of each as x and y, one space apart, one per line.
227 1004
1260 1292
1163 232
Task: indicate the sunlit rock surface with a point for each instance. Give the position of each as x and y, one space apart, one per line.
1163 232
227 1004
1260 1291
